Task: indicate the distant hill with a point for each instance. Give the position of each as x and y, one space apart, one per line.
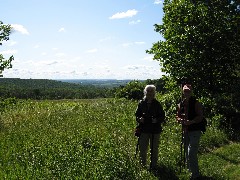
35 83
98 82
54 89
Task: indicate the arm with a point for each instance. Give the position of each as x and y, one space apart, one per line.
159 113
179 115
199 112
139 114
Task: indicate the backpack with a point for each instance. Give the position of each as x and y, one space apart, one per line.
202 126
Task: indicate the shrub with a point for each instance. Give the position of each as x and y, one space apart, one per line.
133 90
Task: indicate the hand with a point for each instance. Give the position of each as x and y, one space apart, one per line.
141 120
187 122
154 120
179 120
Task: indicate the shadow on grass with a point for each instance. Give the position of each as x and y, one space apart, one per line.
163 172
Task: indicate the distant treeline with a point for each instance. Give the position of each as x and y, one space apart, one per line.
49 89
109 83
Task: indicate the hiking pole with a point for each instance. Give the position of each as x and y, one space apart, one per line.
137 146
183 138
181 151
183 148
151 164
137 134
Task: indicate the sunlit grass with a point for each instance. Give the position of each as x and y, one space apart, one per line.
93 139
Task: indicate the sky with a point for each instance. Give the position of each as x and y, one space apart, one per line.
81 39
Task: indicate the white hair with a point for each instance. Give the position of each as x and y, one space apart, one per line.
148 87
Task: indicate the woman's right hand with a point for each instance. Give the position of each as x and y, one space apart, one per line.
141 120
179 120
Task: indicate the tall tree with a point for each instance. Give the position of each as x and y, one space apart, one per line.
5 31
201 42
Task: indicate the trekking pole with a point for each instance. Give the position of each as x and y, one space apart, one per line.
151 165
181 152
137 147
137 134
183 138
183 148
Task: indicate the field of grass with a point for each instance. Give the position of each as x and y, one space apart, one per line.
94 139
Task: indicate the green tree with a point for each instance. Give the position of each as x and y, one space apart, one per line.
201 42
159 83
133 90
5 31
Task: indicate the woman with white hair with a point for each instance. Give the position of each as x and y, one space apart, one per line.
149 115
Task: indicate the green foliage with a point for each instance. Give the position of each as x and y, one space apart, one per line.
133 90
159 83
5 31
201 43
223 112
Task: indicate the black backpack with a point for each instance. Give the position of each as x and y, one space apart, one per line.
201 125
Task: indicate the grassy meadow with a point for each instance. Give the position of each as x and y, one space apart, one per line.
94 139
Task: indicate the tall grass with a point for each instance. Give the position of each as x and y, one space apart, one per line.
84 139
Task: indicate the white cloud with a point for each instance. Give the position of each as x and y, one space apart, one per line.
134 22
139 42
120 15
158 2
137 67
60 54
126 44
19 28
106 39
11 51
142 72
77 58
92 50
36 46
133 43
62 30
52 63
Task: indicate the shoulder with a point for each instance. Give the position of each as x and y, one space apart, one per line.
196 102
157 103
193 99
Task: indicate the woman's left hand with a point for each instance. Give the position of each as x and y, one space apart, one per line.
187 122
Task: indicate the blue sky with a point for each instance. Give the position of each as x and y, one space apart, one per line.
80 39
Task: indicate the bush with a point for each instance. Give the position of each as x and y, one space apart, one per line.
133 90
6 103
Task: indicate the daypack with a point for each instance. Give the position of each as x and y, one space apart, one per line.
191 114
203 125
